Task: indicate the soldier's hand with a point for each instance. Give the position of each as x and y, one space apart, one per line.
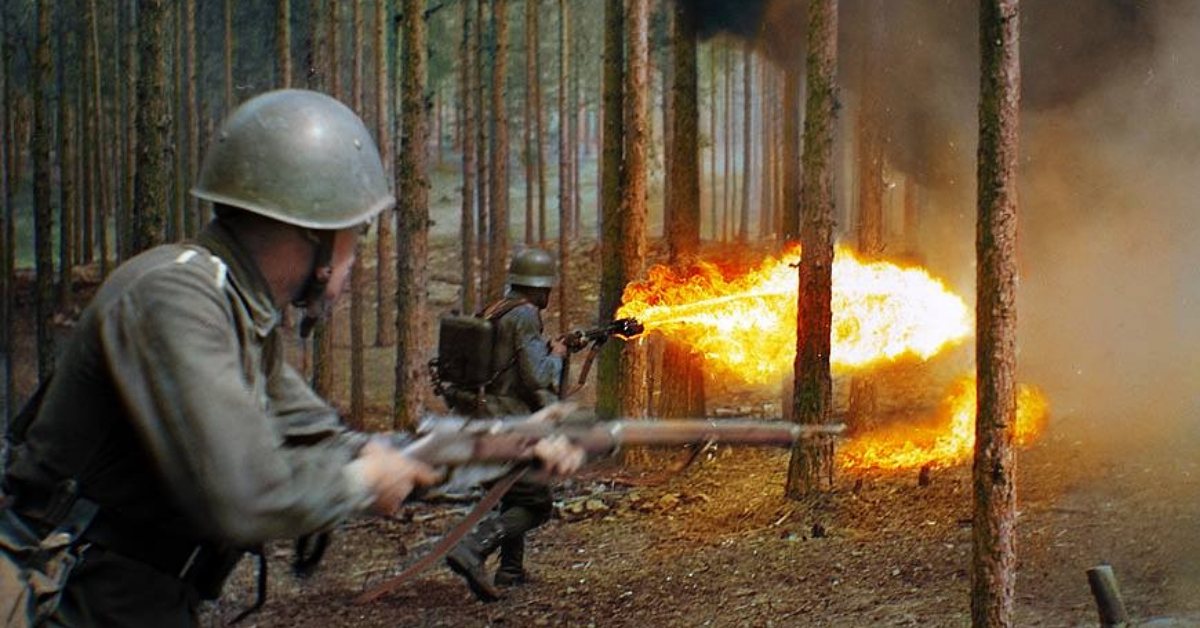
390 475
558 347
558 455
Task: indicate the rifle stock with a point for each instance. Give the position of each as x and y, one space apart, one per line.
454 441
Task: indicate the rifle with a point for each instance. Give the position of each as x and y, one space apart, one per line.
464 443
580 339
457 441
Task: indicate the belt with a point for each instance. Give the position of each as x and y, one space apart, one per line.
154 546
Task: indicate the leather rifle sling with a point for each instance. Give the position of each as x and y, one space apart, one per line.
449 541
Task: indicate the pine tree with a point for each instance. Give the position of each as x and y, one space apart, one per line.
812 393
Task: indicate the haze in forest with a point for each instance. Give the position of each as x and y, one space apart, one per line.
1110 145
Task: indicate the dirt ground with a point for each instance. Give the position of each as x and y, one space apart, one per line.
718 544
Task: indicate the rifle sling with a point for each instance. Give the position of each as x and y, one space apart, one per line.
449 541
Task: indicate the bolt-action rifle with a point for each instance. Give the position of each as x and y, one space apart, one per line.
581 339
482 444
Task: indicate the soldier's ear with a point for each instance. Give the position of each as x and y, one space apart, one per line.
324 274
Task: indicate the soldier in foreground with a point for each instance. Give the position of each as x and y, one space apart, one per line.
174 436
525 369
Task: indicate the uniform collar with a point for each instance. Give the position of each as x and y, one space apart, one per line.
244 275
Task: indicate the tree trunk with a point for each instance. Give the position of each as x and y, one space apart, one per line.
385 252
68 186
191 115
178 228
412 232
358 279
229 46
612 278
483 57
152 181
993 568
283 41
125 220
43 134
531 81
632 216
790 228
743 232
323 334
767 136
863 403
682 392
539 128
467 73
727 178
498 235
812 394
6 240
565 215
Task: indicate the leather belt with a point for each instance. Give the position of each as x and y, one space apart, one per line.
158 548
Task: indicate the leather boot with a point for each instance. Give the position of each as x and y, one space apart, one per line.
469 557
512 557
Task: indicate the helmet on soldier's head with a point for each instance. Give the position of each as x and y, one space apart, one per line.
533 268
299 157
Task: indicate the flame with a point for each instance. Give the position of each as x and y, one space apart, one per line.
745 324
949 444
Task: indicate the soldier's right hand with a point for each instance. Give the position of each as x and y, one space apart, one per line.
390 475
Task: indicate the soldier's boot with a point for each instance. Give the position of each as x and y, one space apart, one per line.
512 558
469 557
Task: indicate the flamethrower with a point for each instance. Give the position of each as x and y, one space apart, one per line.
593 340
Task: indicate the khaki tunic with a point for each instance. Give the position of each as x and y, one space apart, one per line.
173 408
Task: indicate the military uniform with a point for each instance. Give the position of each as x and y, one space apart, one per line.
174 413
525 377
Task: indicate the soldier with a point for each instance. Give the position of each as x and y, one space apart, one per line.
526 370
174 435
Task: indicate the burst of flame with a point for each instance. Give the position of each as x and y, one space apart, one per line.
948 444
745 325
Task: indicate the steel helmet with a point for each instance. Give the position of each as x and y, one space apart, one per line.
533 268
299 157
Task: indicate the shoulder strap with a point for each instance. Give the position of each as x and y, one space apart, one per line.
497 309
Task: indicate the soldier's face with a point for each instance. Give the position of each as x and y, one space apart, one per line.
345 247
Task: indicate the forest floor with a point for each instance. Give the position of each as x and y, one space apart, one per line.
718 544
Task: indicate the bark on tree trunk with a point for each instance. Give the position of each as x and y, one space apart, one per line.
632 216
498 236
565 214
863 403
229 45
467 230
812 391
192 116
283 41
43 132
152 179
68 187
358 282
612 281
385 252
790 227
483 146
6 241
412 232
743 232
993 569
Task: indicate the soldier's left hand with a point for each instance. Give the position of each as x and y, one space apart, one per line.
558 455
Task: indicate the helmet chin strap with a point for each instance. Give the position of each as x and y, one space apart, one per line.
318 278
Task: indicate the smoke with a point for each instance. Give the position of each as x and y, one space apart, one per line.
1110 145
1109 239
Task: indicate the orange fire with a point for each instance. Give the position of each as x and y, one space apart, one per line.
745 325
952 442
